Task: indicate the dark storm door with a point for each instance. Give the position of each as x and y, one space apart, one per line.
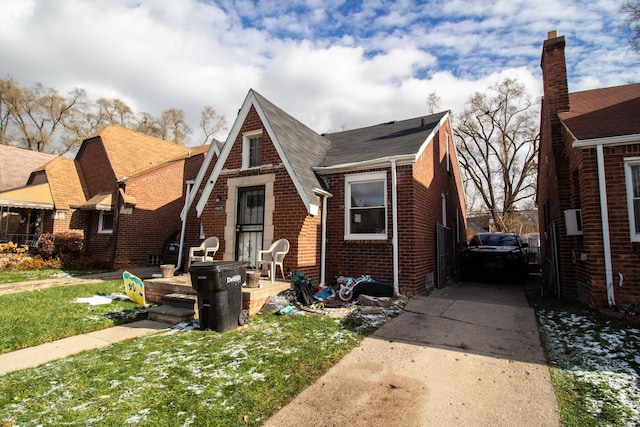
249 224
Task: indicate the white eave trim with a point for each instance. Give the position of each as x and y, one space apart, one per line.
611 140
213 150
383 162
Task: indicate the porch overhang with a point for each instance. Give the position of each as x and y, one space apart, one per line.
30 197
99 202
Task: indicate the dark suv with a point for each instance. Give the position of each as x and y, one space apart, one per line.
495 253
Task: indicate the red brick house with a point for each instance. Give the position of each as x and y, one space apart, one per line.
123 191
589 187
363 201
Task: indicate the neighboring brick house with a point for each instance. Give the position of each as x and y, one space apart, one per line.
363 201
589 187
123 191
16 165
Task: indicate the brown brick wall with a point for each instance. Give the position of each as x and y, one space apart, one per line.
160 197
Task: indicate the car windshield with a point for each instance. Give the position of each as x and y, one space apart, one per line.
499 240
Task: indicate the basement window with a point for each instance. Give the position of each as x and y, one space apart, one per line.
366 206
632 176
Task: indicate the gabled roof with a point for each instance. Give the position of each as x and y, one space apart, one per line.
54 185
303 148
386 140
16 165
64 182
304 152
132 153
603 113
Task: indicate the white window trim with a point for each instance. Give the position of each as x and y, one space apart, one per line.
358 179
101 230
628 163
246 146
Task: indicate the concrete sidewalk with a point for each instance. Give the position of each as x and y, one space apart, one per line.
465 355
38 355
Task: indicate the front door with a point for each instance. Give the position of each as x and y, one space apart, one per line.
249 224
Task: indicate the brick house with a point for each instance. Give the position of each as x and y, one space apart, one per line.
363 201
16 165
589 187
123 191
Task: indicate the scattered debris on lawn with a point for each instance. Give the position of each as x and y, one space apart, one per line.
102 299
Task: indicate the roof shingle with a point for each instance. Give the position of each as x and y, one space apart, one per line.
602 113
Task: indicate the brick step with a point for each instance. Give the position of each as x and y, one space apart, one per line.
180 300
169 314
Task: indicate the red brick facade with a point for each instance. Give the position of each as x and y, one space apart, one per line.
420 190
568 179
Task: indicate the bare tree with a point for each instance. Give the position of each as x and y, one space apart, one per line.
39 119
211 124
498 140
433 102
38 113
173 126
631 8
8 91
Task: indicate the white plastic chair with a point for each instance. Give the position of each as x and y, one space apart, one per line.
205 252
276 252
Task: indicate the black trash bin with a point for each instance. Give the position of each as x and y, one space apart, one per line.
219 288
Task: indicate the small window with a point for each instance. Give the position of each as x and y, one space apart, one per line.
105 224
366 212
632 172
255 152
252 150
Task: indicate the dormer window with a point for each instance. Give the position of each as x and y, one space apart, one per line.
252 150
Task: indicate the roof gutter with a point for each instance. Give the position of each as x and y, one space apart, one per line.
402 159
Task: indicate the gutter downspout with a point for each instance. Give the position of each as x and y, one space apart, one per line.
323 245
183 227
606 238
394 240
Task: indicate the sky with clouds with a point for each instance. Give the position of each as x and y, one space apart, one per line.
333 64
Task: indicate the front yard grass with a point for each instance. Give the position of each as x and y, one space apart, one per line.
181 377
594 363
39 316
26 275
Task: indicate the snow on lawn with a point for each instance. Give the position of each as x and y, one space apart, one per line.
599 352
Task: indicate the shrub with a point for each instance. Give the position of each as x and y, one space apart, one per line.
45 246
58 244
72 262
12 248
28 263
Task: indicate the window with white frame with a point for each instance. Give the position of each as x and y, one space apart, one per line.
632 175
105 223
252 149
366 206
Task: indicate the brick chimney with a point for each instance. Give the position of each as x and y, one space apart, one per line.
554 76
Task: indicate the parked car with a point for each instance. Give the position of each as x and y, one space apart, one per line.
495 253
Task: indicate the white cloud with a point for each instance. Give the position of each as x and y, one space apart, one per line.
328 63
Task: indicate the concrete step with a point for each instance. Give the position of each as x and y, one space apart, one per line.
180 300
169 314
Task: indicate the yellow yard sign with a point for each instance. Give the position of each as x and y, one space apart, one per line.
134 288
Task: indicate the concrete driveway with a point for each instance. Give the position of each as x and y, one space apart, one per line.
468 354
